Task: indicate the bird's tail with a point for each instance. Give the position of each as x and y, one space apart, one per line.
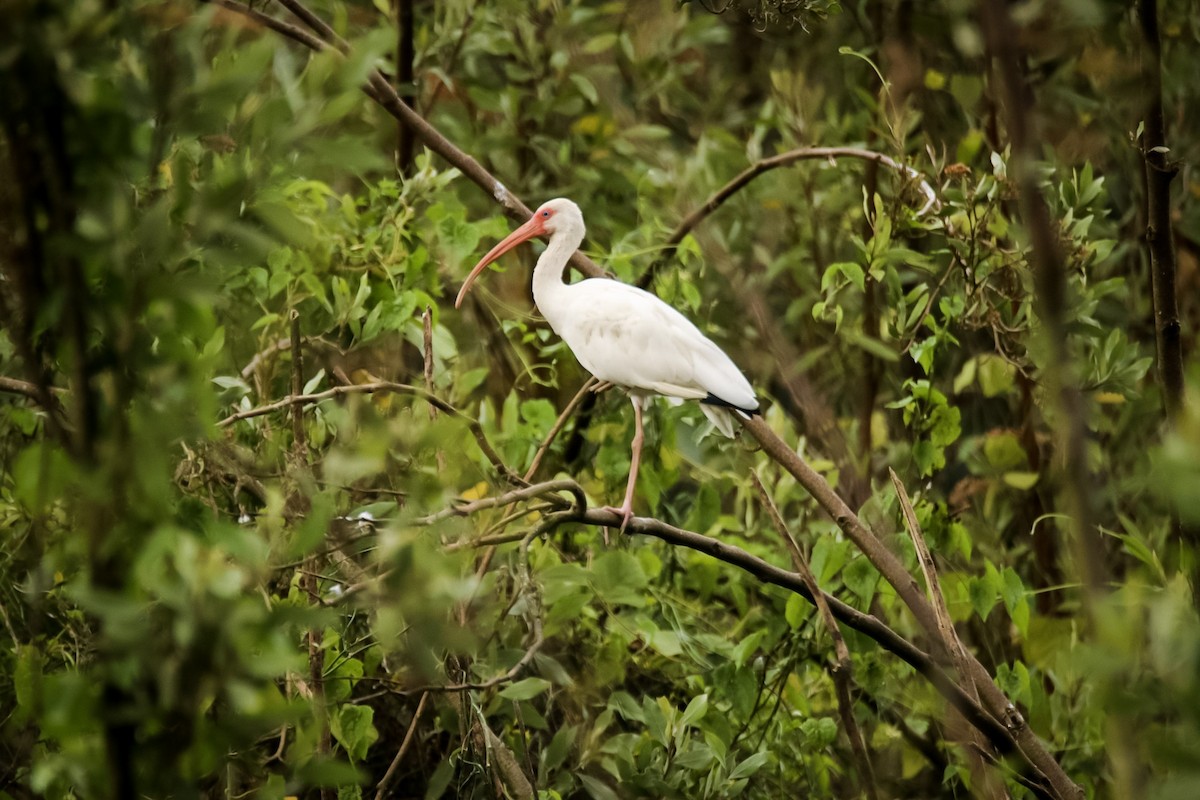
720 417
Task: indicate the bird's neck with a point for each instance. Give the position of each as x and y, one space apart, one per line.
549 290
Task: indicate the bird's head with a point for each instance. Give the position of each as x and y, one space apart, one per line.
559 215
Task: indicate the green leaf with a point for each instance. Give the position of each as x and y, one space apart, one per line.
796 611
665 643
861 577
746 648
996 376
1015 599
597 789
525 689
555 753
695 756
695 710
848 270
984 595
749 766
1021 480
354 730
339 681
439 781
618 578
656 720
624 704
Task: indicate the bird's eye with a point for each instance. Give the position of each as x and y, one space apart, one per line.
545 215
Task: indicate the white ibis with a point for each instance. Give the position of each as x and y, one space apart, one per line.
623 335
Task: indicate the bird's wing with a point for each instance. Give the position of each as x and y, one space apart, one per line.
630 337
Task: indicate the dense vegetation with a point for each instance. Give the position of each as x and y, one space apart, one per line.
277 520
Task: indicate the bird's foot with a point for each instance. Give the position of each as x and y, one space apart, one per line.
624 512
602 386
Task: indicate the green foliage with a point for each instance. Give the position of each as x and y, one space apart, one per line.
203 597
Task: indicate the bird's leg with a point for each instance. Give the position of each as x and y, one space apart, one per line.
635 459
602 386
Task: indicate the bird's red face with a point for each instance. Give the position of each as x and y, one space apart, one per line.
540 224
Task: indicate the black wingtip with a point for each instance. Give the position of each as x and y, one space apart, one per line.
712 400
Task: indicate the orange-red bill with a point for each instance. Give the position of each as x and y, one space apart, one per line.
531 229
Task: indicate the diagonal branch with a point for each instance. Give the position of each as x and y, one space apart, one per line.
589 385
409 735
893 572
987 784
382 92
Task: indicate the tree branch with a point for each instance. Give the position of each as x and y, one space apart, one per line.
747 175
977 747
867 624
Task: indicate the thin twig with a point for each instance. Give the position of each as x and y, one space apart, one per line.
299 440
383 386
427 352
409 735
557 427
842 668
932 584
958 654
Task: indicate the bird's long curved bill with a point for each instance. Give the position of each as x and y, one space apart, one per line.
529 230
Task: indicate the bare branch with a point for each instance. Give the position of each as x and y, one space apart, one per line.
26 389
718 198
279 26
977 750
551 488
934 587
867 624
299 439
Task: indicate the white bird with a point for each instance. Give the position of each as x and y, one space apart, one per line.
624 335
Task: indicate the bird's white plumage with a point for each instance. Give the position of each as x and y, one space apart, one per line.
629 337
624 335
